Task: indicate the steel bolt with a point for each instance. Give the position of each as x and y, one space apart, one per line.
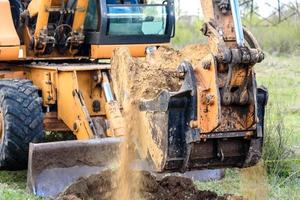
210 99
75 127
206 64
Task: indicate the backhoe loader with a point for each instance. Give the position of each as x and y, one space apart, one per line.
56 77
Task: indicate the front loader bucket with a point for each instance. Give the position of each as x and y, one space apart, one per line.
55 165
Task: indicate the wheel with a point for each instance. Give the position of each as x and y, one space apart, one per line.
21 122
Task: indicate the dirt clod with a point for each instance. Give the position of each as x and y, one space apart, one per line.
100 187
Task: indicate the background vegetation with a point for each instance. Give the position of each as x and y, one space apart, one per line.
280 40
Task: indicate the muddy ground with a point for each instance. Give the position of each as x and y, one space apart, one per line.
100 187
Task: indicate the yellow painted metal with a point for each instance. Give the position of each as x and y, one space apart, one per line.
34 7
8 34
9 53
208 104
9 39
80 14
40 8
106 51
46 78
70 106
90 91
46 81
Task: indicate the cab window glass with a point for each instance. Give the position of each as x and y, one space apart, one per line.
137 20
91 19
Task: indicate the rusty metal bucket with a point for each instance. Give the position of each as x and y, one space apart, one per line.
54 166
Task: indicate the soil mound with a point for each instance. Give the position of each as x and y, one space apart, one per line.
100 187
145 77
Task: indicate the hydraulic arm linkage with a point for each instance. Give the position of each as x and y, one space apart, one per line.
216 119
59 24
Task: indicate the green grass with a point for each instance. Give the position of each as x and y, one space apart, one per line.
188 34
13 186
281 76
283 39
276 189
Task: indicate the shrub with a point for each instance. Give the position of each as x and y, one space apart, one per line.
282 39
276 144
188 34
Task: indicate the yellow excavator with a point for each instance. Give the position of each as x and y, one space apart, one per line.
56 77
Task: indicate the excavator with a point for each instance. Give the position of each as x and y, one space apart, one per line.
56 77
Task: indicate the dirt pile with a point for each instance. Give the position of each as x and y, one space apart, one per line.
146 77
100 187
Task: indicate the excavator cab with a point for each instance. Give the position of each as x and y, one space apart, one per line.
91 28
131 23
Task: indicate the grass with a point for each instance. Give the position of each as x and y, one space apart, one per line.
283 39
188 34
273 189
281 76
13 186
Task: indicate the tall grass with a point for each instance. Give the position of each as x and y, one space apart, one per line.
283 39
277 152
187 33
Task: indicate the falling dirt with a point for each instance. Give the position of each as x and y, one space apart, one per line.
135 79
100 187
254 185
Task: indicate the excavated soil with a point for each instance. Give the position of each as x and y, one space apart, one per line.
144 78
100 187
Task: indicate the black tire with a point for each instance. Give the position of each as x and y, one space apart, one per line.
22 122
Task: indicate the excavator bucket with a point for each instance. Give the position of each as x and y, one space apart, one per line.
174 143
55 165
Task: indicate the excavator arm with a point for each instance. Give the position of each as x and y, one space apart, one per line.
219 103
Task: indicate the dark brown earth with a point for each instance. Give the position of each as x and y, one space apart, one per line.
100 187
